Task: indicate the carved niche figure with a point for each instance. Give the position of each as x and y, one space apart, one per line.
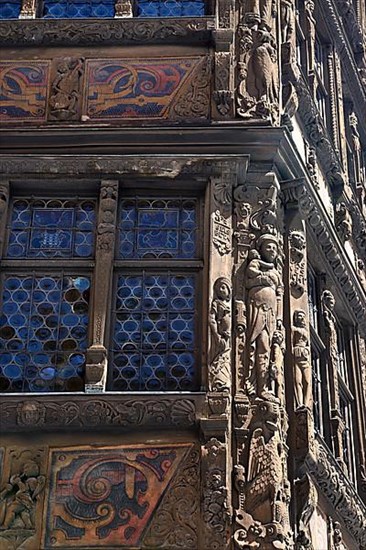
302 361
328 303
356 147
263 68
264 293
343 222
276 364
19 496
65 91
287 8
297 243
220 324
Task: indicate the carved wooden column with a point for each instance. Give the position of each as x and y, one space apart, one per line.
299 368
224 58
96 367
216 453
262 494
257 53
29 9
4 203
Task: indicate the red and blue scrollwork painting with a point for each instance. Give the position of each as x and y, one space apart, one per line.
123 88
23 90
106 497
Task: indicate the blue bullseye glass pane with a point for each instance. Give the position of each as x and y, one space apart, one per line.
153 337
170 8
43 344
157 228
10 9
68 9
51 229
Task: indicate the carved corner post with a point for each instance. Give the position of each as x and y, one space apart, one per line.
298 360
216 452
224 58
28 10
22 490
258 66
96 366
262 491
4 204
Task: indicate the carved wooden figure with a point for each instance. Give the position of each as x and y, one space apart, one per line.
263 284
301 352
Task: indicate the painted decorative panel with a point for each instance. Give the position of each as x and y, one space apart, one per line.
64 90
52 228
133 89
23 90
106 498
43 333
154 338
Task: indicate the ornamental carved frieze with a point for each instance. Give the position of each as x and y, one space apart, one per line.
66 32
258 71
87 412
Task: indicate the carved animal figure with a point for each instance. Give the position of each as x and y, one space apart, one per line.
264 477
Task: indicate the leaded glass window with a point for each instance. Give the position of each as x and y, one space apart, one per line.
154 336
41 228
170 8
10 9
157 228
43 332
78 8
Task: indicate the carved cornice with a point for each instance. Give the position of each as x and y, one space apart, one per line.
299 193
24 413
165 166
318 136
342 496
351 75
47 32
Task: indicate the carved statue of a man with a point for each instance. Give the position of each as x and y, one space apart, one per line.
264 294
328 303
18 498
302 361
220 324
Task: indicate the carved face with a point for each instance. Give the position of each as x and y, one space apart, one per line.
30 469
300 318
329 300
223 291
269 251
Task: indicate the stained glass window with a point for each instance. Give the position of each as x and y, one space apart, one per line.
78 8
170 8
157 228
154 345
10 9
43 333
153 338
53 228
